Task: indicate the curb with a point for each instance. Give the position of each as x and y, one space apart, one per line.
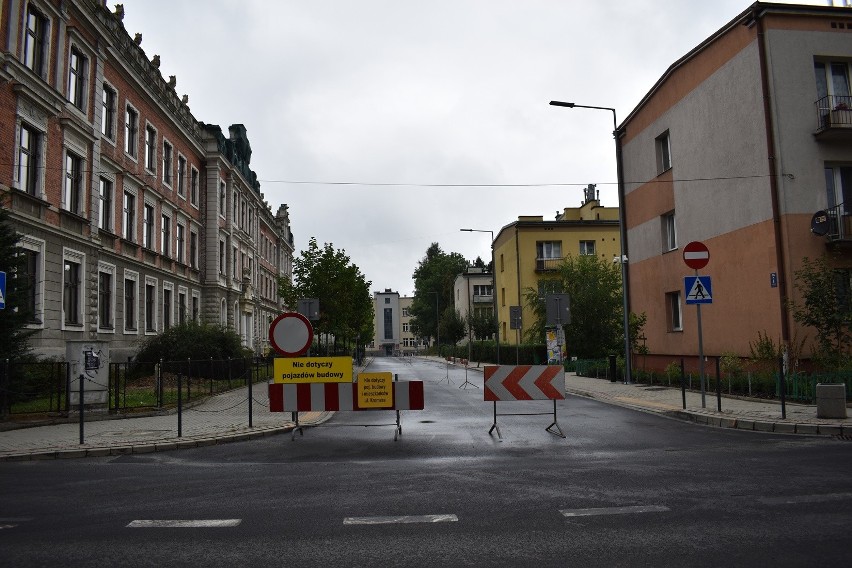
160 445
726 422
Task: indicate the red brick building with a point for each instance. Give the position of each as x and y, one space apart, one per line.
135 215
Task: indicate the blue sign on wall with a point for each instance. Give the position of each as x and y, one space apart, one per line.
2 290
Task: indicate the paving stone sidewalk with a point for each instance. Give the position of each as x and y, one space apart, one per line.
221 418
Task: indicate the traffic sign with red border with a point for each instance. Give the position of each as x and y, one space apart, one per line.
696 255
291 334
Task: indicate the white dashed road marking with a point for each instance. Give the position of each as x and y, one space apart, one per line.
400 519
613 510
184 524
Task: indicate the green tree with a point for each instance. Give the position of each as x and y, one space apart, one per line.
434 277
826 307
594 288
17 313
346 305
453 328
482 323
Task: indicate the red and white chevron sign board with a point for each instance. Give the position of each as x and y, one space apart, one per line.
308 397
524 382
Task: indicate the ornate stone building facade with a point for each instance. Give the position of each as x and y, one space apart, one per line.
135 215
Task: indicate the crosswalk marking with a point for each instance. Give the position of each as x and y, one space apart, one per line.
183 523
613 510
400 519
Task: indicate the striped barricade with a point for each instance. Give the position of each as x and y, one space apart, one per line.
524 382
318 397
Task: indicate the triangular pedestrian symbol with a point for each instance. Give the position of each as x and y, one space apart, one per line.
2 297
698 291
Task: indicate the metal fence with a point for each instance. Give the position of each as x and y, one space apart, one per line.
33 388
44 388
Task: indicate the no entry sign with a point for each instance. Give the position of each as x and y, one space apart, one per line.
696 255
291 334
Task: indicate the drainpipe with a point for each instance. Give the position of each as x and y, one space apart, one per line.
773 180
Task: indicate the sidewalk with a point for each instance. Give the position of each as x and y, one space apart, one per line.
737 412
224 418
220 419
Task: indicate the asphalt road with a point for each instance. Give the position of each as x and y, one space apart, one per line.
624 488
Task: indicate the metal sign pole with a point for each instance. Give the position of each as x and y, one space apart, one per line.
701 356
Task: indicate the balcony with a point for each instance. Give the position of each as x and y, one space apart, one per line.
839 226
483 298
547 264
834 118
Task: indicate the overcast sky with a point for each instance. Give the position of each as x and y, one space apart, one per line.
440 97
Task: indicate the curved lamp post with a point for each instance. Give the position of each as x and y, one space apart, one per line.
622 260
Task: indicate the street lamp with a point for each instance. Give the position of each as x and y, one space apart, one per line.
493 286
622 230
437 324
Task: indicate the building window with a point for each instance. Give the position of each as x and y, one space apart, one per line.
131 131
195 303
108 112
71 301
587 248
105 206
129 304
128 224
35 41
166 237
32 304
673 313
148 227
193 249
181 307
71 195
234 264
77 69
838 187
221 257
222 199
833 92
167 307
669 232
405 328
234 208
388 322
181 175
150 307
167 163
150 148
193 187
105 293
548 255
664 152
29 160
179 243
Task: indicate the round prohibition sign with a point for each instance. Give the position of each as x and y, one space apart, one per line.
291 334
696 255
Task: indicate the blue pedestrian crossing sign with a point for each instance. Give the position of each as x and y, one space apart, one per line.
698 290
2 290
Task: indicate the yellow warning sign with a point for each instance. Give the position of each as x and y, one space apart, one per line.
312 369
375 390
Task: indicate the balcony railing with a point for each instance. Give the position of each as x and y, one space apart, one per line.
547 264
483 298
839 223
834 113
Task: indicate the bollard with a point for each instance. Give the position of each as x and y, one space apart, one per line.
179 406
682 383
718 387
82 421
612 368
782 387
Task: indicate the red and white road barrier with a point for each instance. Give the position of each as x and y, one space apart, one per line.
308 397
524 382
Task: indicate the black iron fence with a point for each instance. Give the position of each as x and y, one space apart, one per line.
44 388
33 388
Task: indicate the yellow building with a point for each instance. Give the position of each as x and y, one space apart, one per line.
531 249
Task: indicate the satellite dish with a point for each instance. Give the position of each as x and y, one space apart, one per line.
819 223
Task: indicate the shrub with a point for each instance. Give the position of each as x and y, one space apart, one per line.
192 340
